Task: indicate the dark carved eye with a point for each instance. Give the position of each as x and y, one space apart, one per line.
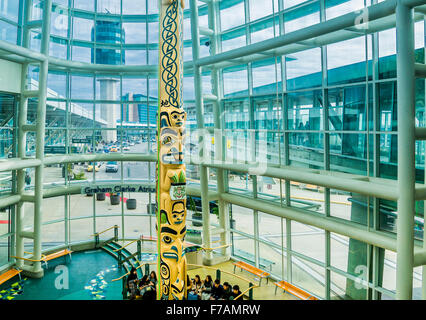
167 239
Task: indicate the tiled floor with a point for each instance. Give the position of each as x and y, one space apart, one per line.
87 277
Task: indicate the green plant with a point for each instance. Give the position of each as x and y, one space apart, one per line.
179 179
192 206
215 211
80 176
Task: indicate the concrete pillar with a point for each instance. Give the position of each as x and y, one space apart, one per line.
200 126
37 270
406 143
109 112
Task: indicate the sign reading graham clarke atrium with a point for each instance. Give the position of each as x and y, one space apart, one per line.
116 188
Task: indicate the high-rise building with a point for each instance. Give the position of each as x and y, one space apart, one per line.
139 111
109 33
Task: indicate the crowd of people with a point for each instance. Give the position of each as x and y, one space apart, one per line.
209 290
144 288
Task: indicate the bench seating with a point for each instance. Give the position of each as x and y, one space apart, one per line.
9 275
49 257
253 270
148 238
56 255
299 293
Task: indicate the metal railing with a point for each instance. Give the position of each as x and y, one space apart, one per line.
126 245
245 291
215 248
96 235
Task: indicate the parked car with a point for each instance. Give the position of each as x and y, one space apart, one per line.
111 166
90 167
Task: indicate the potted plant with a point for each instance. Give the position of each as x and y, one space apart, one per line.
100 196
80 176
195 215
215 211
232 221
131 203
151 208
114 198
67 167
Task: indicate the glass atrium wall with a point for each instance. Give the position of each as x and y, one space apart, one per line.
328 105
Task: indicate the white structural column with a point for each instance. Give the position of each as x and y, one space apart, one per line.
424 202
40 135
21 145
108 112
406 151
34 270
219 138
20 207
199 105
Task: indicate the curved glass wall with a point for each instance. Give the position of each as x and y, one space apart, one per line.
330 107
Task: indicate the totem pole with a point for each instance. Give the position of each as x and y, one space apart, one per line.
171 178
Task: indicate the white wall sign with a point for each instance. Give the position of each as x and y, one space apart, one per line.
116 188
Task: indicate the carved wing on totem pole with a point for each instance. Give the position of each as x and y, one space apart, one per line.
171 177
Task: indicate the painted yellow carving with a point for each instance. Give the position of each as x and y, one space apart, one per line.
172 116
172 256
182 2
171 177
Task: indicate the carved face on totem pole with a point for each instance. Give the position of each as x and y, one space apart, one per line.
171 148
172 116
178 212
172 259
